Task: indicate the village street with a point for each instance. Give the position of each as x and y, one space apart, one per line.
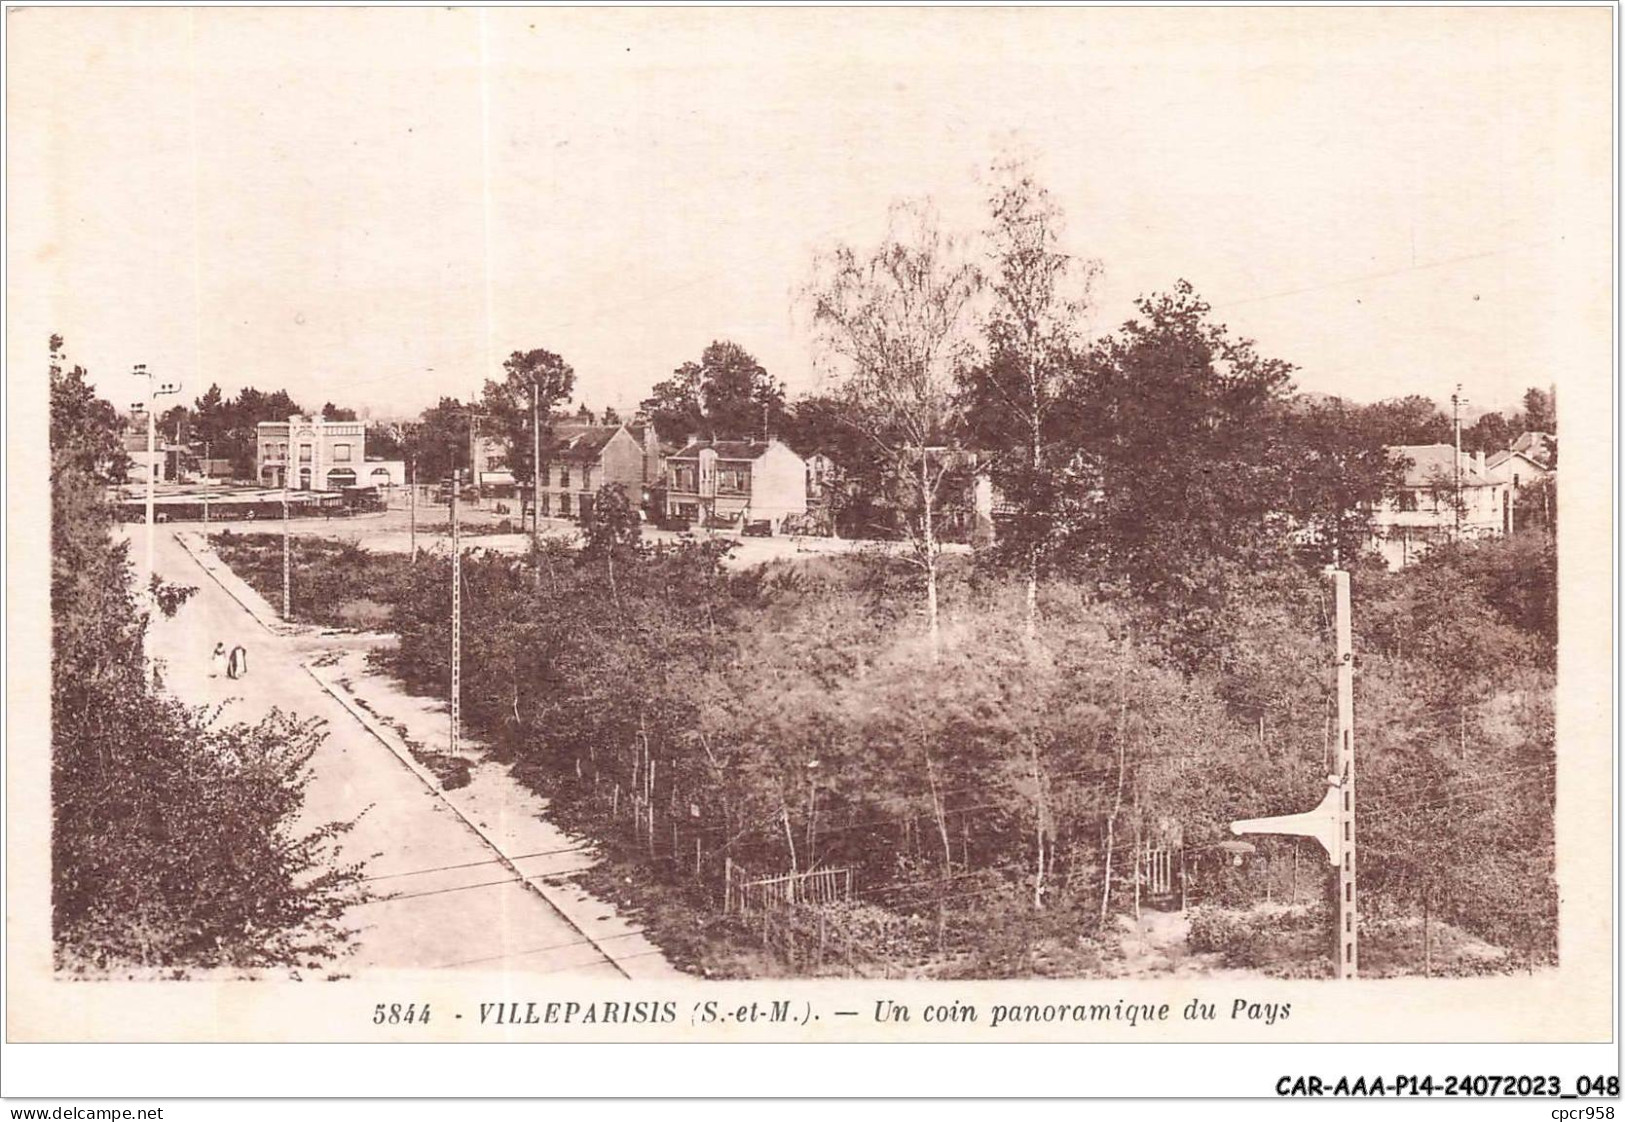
446 896
390 531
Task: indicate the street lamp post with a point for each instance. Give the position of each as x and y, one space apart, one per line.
155 390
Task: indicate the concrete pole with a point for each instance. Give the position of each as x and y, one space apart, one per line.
1348 922
154 392
287 553
1455 418
456 618
152 455
536 470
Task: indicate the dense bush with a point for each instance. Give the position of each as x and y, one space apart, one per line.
792 716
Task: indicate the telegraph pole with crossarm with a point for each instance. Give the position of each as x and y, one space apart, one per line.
1331 823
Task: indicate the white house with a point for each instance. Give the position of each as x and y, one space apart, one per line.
1441 497
1527 462
736 481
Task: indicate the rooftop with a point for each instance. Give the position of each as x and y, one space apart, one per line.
1434 465
725 449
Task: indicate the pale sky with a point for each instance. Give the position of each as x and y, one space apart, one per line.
376 206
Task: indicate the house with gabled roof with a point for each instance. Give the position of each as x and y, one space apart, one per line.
1442 495
735 482
579 461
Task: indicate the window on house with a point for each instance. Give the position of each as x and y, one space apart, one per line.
547 505
586 478
564 505
1407 500
564 476
341 453
304 453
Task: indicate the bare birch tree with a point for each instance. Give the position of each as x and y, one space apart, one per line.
1040 295
894 323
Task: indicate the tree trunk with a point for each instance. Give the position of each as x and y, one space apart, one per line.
1032 592
1038 799
1117 806
929 543
789 838
1037 462
1427 931
947 851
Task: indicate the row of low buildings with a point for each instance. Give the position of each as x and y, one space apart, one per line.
739 482
720 482
724 482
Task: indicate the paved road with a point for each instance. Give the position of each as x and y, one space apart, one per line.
451 903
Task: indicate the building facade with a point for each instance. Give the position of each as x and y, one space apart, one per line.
1442 497
313 454
579 461
732 482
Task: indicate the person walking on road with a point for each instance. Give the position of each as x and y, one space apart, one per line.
237 666
217 660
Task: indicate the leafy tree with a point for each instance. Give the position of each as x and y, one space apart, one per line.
1491 433
613 532
331 412
236 432
895 323
536 381
384 441
1337 470
439 443
724 396
1539 410
210 421
174 841
826 425
674 405
84 428
1177 476
1413 419
741 399
1011 399
611 417
175 424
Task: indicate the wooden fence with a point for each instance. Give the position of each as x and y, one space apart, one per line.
744 893
1157 870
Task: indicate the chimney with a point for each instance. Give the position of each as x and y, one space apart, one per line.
1478 461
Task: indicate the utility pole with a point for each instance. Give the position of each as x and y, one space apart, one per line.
1456 401
287 553
1331 823
473 450
536 474
412 500
457 591
1348 923
208 480
456 617
155 390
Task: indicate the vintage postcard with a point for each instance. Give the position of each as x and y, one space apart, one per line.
811 525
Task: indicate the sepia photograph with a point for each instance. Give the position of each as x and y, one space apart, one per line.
1042 508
